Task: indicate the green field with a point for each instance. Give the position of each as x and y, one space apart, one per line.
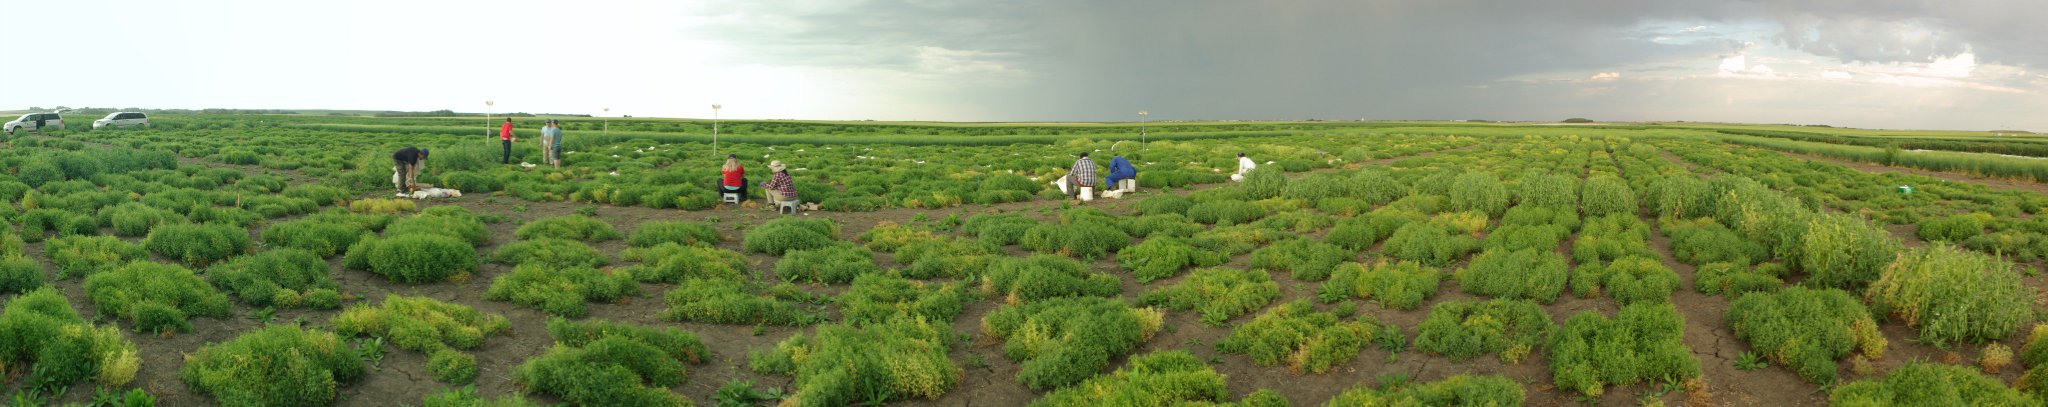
240 259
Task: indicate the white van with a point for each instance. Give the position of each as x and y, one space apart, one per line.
35 122
122 119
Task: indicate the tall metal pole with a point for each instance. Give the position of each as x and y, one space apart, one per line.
607 121
1142 116
714 129
487 118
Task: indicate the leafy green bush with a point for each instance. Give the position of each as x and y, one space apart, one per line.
1952 295
550 252
2018 246
673 263
277 366
1401 285
888 236
450 366
560 291
786 234
572 227
1518 237
1643 342
19 274
880 297
1680 197
1459 390
1701 241
273 278
155 297
1733 280
451 221
870 363
1478 191
82 256
1628 280
1548 190
1163 257
946 258
40 334
1525 215
1534 274
382 206
1163 204
1466 329
135 219
197 244
607 363
413 258
1297 221
999 229
1085 240
1226 212
1601 196
1265 182
1062 341
733 301
323 238
1218 294
1308 340
834 264
1317 187
420 323
1164 378
650 234
1611 237
1361 233
1170 224
1806 330
1428 243
1845 251
1306 259
1954 229
1929 384
1045 276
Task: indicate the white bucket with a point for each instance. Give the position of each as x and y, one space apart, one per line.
1087 194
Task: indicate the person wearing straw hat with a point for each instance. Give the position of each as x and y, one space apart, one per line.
781 188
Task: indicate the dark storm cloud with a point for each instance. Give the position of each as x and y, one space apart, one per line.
1345 59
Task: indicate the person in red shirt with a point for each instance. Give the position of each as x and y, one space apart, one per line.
505 136
735 177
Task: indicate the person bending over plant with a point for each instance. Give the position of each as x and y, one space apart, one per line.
405 168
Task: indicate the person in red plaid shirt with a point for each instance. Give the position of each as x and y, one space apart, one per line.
1082 175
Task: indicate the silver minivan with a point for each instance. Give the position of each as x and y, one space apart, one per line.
122 119
35 122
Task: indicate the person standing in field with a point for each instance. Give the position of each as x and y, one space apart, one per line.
1082 175
505 136
554 150
780 188
1121 170
734 177
405 168
1244 167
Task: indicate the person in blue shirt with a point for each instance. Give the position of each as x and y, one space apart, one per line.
1120 169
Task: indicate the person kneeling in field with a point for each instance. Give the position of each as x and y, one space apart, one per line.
1244 167
733 177
1120 173
781 188
405 168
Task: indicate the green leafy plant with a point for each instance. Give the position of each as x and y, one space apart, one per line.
1428 243
1218 294
1305 259
1087 240
1299 336
40 333
276 278
77 256
563 291
1534 274
1458 390
1952 296
450 221
550 252
1155 379
1397 285
1045 276
420 324
197 244
833 264
999 229
278 365
1844 251
413 258
1478 191
1467 329
1230 212
606 363
571 227
783 235
650 234
322 238
155 297
1806 330
673 263
1734 280
1642 342
1601 196
880 297
1062 341
1163 257
19 274
869 363
1628 280
1930 384
734 301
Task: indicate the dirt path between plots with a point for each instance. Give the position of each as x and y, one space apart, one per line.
2001 183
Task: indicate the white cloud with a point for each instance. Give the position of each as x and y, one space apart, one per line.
1958 66
1605 76
1834 75
1695 28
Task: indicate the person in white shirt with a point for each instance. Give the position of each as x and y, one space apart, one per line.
1244 166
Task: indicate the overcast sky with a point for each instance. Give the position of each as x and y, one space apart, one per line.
1939 64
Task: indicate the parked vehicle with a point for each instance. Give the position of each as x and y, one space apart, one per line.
35 122
122 119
